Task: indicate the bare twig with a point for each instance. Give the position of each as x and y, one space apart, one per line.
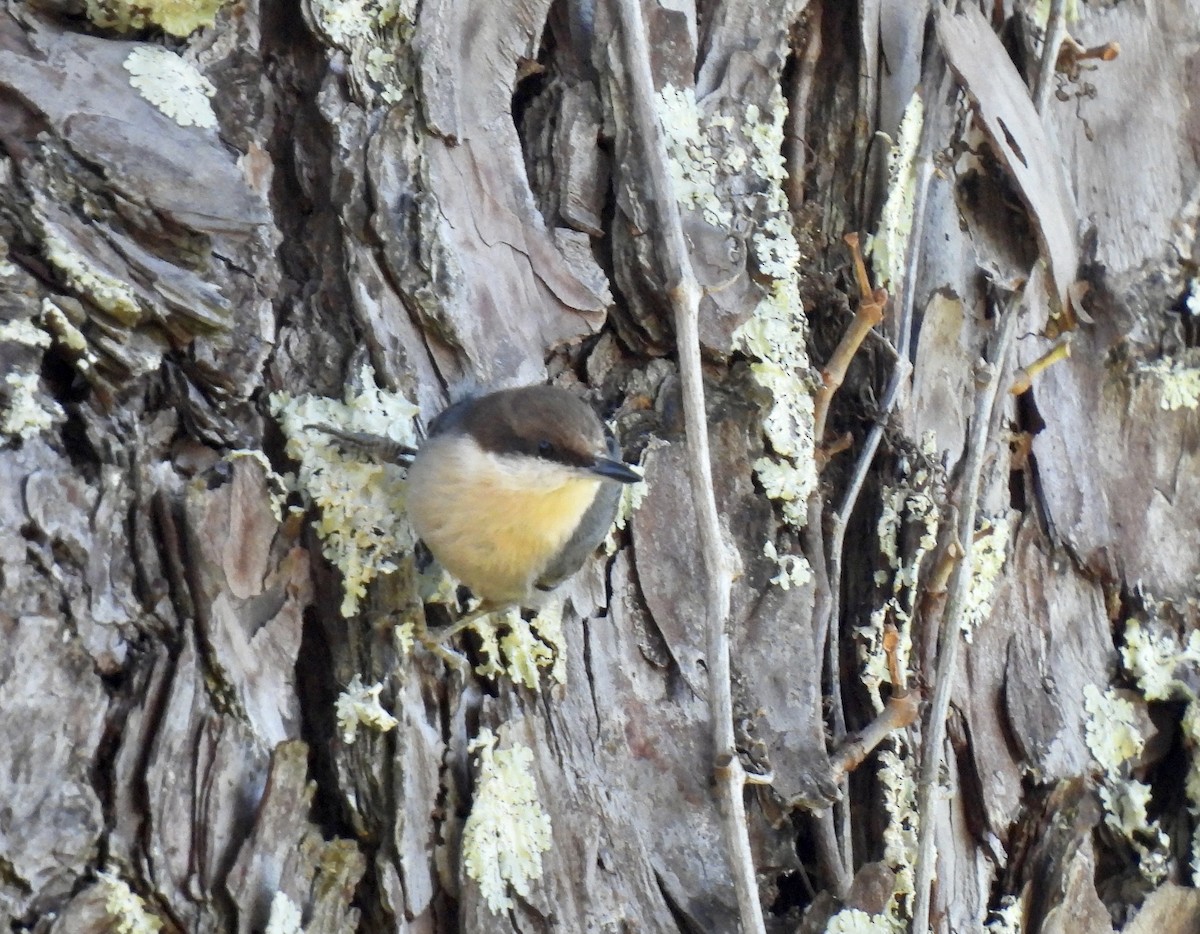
946 564
1025 376
982 431
685 293
796 145
1056 32
870 312
900 711
829 854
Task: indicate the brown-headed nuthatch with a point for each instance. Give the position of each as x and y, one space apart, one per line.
514 489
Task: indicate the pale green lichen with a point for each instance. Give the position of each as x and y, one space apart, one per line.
706 154
911 503
1154 656
889 245
178 17
794 570
370 31
1111 730
25 332
27 416
1040 12
127 910
404 637
507 830
363 525
1165 669
1113 737
1125 805
285 917
988 554
359 705
173 85
774 335
694 148
897 779
520 649
106 292
632 495
857 921
1179 383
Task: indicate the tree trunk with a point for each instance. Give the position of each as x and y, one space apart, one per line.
209 225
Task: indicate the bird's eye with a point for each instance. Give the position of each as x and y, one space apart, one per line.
545 448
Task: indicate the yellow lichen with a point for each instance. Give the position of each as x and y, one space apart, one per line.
127 910
518 649
106 292
178 17
26 416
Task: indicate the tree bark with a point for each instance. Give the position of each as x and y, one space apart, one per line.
461 195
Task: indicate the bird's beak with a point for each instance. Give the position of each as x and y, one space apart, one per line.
617 470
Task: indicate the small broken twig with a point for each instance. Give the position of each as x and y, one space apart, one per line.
1024 378
869 313
900 711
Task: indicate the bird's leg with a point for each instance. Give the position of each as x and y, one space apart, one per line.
436 642
465 622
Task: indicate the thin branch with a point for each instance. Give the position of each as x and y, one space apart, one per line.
685 293
796 145
1056 32
1025 376
837 531
871 303
900 711
982 431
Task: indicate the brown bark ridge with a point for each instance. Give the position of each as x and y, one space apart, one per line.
462 195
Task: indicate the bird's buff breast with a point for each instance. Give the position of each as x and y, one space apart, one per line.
494 522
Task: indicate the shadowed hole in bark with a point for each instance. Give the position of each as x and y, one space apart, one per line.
318 726
534 113
1022 479
792 893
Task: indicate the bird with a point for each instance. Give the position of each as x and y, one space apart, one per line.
512 490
